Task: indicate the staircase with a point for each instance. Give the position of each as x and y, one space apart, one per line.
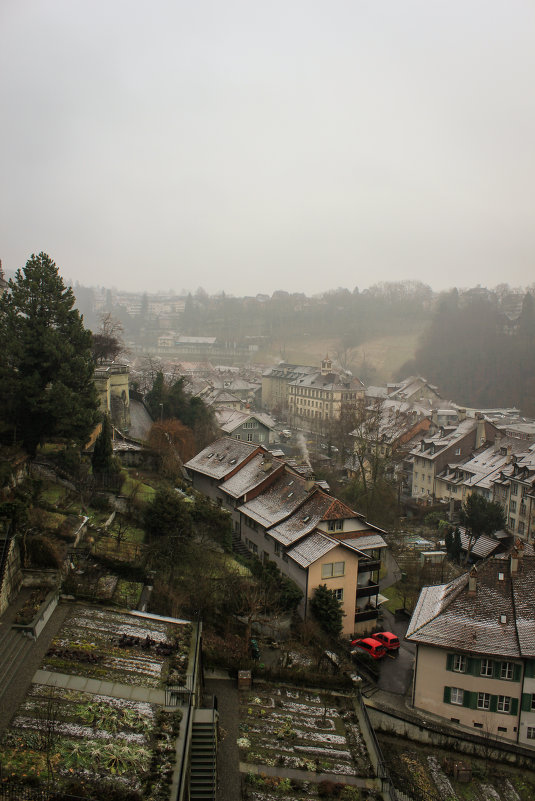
14 648
203 775
239 547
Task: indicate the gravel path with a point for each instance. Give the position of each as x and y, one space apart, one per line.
228 756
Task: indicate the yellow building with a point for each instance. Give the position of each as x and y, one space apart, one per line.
111 380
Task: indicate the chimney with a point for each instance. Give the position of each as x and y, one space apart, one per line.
472 582
481 434
310 483
516 555
267 464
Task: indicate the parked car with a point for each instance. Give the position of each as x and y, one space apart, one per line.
371 646
389 640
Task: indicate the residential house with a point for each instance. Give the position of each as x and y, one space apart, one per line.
450 445
476 472
286 518
250 427
514 488
413 389
475 649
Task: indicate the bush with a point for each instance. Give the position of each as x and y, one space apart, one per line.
366 663
42 552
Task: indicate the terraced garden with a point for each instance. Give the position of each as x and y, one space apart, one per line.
283 730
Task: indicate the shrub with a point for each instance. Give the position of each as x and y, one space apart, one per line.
42 552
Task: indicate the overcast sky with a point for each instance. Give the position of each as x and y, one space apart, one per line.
251 146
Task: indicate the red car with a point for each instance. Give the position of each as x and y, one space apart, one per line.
372 647
389 640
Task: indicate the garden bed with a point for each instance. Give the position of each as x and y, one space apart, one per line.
292 728
92 743
36 612
121 647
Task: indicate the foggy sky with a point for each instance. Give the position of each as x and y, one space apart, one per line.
251 146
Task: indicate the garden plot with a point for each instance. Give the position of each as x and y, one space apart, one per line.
123 648
425 769
79 740
295 728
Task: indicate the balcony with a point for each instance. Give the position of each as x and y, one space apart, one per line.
366 592
368 614
366 566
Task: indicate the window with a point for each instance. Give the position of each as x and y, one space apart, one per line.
331 569
504 703
532 707
457 696
521 527
514 489
486 668
506 670
277 549
339 594
457 451
512 523
512 506
249 437
483 700
459 663
530 732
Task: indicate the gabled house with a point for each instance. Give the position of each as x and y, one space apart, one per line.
514 488
256 427
450 445
286 518
475 657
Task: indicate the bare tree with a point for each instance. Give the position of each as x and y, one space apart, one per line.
108 341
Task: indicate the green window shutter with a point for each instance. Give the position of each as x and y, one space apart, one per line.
447 695
449 662
526 702
467 698
493 703
474 666
514 706
517 672
473 701
530 668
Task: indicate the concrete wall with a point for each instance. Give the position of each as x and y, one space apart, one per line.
423 731
12 576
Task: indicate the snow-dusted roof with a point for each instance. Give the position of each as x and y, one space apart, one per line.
497 619
282 498
367 542
221 457
231 419
251 474
311 548
482 547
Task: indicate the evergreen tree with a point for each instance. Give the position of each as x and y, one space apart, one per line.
102 459
327 610
46 370
480 516
457 546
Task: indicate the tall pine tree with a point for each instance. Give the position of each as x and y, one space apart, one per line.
46 370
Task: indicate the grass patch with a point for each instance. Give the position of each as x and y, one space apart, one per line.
143 492
395 598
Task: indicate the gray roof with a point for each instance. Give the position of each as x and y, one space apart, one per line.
449 616
221 457
311 548
250 475
482 547
367 542
280 500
